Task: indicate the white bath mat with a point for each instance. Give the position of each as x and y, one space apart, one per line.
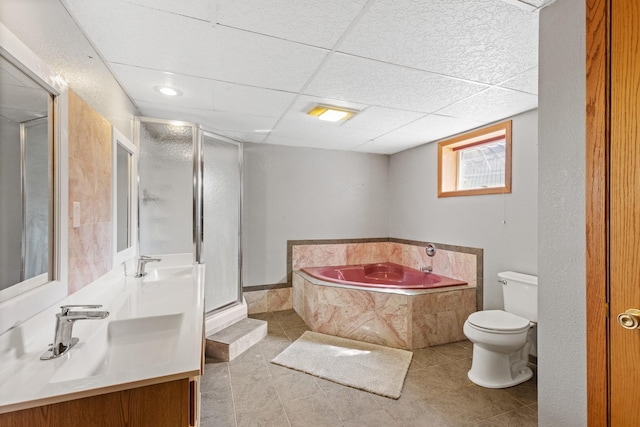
370 367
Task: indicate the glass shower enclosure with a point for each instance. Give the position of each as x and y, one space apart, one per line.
190 202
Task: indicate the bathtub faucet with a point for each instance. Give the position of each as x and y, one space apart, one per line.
427 269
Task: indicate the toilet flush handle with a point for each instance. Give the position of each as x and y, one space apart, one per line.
504 282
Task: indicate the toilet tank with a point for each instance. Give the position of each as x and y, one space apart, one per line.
520 293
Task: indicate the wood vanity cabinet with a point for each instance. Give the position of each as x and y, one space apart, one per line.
171 404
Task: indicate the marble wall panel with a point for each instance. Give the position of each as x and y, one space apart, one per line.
367 253
458 265
318 255
89 184
256 301
414 256
279 299
298 295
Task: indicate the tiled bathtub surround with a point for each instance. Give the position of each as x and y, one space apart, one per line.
414 319
457 262
452 261
269 300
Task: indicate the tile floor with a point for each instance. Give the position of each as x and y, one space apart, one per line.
250 391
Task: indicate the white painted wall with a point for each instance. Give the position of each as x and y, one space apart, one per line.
49 31
561 180
303 193
417 213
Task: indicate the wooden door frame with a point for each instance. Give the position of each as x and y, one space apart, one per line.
598 25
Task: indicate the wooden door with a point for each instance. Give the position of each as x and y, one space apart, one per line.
613 210
624 199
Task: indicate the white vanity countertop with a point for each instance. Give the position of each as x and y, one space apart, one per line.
153 334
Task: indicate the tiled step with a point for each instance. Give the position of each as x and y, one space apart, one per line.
234 340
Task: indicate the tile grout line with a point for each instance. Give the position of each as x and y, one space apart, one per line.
284 410
233 400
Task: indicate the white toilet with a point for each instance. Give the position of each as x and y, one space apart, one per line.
501 339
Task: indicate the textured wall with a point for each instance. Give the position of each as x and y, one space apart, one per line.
561 178
90 184
299 193
49 31
505 226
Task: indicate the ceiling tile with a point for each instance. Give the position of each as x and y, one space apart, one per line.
199 9
382 119
537 3
311 132
240 126
149 38
250 100
376 83
434 127
525 82
486 41
130 34
390 144
317 23
492 105
252 59
196 92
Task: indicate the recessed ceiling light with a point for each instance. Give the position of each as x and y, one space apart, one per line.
330 113
168 91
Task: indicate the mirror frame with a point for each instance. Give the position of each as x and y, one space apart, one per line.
20 307
118 139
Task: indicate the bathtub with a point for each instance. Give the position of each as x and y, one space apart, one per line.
430 311
385 275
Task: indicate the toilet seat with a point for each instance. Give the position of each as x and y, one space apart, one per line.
498 321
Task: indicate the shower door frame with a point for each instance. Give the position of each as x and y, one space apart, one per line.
199 195
198 134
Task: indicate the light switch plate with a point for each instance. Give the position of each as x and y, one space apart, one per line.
76 214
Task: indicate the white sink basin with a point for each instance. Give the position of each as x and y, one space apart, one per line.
122 345
168 273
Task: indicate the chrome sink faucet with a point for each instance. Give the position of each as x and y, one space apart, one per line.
142 262
63 341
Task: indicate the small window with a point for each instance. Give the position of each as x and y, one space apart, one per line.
477 162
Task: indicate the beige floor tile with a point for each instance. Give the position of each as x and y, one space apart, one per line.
521 417
254 395
429 356
295 385
350 403
416 413
218 406
271 416
436 392
455 350
379 418
288 318
313 411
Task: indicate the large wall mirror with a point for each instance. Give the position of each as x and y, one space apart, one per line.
124 207
26 182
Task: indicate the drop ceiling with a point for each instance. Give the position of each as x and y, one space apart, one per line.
417 70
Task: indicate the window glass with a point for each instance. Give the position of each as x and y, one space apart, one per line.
477 162
482 166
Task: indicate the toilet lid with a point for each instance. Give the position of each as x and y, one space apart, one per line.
498 320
